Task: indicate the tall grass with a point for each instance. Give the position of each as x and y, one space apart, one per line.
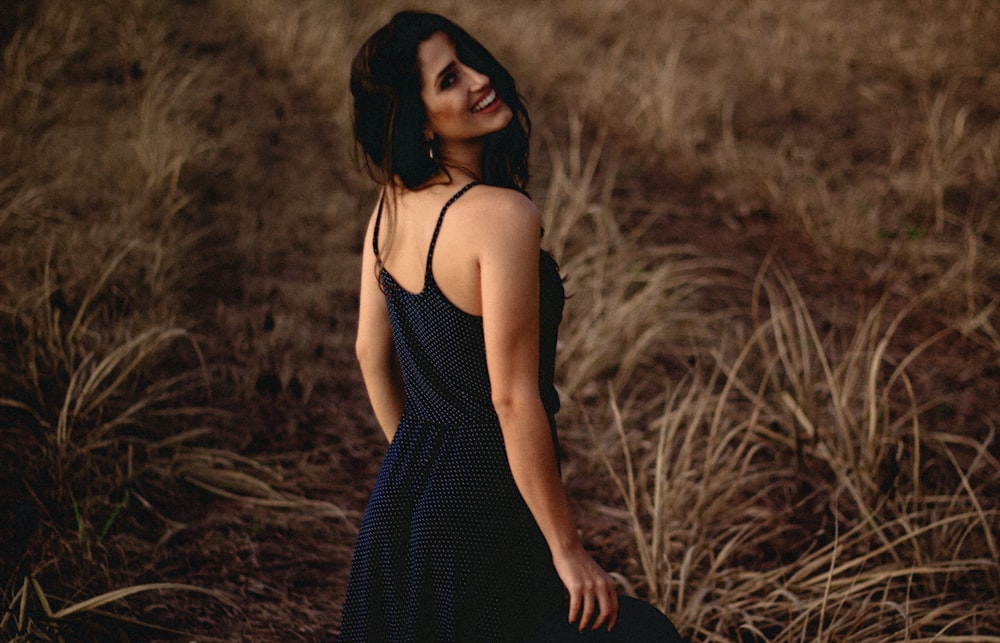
788 433
781 495
101 382
794 484
617 284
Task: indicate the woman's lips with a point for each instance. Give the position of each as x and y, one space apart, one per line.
487 101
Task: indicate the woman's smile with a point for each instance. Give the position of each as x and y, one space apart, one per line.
489 101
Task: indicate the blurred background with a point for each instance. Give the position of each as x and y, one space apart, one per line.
779 365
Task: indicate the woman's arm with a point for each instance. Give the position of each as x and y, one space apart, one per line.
374 347
508 260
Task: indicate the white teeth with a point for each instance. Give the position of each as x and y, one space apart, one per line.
486 101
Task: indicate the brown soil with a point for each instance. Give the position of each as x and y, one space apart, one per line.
289 301
308 415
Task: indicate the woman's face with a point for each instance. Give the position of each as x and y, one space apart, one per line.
461 103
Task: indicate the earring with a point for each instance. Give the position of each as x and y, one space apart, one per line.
430 147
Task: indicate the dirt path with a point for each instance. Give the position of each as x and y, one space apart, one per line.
286 222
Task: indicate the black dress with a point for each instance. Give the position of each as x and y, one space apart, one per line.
447 549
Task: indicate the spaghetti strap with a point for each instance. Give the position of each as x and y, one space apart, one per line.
378 222
437 227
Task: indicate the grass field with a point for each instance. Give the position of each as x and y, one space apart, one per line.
780 363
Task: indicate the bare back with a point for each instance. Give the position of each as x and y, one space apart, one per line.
405 242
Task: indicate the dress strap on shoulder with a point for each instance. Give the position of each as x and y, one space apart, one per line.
437 227
378 222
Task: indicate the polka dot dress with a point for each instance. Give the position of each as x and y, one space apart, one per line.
447 549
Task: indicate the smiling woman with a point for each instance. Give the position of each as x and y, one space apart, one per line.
386 84
468 534
462 105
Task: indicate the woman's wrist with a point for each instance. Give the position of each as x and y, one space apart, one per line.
566 545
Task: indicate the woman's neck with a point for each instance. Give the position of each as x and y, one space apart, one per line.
449 174
464 156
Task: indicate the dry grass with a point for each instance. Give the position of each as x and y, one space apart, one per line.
784 502
781 354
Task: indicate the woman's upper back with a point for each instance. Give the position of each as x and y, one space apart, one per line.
470 228
466 280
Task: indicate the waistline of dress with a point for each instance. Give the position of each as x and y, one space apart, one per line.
411 419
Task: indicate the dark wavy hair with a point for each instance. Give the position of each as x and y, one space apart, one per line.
389 115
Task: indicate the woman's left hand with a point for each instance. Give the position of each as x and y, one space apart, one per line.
593 598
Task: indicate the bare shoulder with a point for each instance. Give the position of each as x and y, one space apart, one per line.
373 215
502 214
503 200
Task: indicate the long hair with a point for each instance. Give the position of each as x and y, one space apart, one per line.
389 115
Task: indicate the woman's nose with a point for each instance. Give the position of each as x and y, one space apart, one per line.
477 80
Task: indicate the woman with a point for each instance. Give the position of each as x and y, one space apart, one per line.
468 535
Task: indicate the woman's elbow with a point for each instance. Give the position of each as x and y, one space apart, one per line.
513 403
368 353
362 349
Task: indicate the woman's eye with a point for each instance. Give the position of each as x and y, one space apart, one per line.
449 80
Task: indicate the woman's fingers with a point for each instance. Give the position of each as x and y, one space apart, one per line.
614 611
588 605
575 603
609 609
594 603
605 600
593 600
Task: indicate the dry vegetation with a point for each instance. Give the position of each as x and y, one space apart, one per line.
780 364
